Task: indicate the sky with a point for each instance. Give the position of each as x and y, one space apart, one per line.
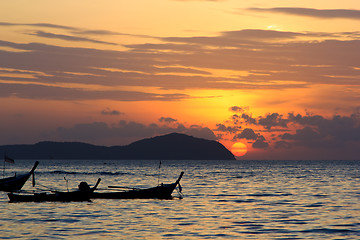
280 77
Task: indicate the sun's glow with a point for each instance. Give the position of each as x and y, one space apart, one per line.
239 149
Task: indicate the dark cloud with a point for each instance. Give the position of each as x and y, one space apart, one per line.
45 25
229 129
241 38
247 134
302 61
68 37
322 132
309 136
180 65
306 134
273 120
108 111
314 137
236 119
258 34
242 118
165 46
185 63
73 30
248 119
33 91
108 33
97 32
180 70
124 132
260 143
198 131
133 71
311 12
167 120
239 109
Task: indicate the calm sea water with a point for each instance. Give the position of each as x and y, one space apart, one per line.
222 200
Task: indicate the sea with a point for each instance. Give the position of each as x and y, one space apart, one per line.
219 200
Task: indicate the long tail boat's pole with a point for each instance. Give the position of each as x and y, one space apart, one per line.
178 180
32 172
159 173
4 165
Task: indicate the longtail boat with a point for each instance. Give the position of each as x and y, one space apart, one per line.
82 194
15 183
163 191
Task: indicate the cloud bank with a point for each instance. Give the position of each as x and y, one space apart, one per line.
256 59
312 12
320 136
124 132
252 59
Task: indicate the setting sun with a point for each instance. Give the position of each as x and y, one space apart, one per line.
239 149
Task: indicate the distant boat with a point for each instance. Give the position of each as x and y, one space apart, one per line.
163 191
15 183
82 194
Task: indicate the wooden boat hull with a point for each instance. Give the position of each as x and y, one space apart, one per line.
74 196
162 191
16 183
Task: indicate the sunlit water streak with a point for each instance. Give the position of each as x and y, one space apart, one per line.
222 200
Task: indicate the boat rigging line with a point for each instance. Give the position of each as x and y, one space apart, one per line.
159 173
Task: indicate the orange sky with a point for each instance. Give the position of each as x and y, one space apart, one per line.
280 77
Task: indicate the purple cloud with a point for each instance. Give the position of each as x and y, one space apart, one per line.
312 12
167 120
68 37
273 120
260 143
247 134
111 112
124 132
230 129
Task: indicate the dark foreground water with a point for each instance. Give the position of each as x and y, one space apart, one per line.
222 200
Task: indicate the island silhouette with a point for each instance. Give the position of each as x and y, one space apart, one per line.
173 146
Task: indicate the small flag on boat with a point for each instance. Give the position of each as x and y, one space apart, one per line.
8 159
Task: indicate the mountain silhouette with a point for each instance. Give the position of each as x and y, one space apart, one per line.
174 146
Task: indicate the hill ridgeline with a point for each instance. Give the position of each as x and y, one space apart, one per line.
174 146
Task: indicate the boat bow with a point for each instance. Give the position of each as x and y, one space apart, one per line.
17 182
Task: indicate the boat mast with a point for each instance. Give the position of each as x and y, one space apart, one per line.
7 159
4 166
159 173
